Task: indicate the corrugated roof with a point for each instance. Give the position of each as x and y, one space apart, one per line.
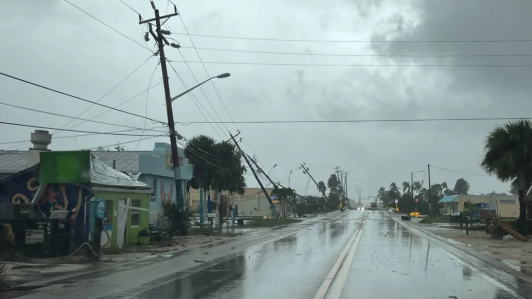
104 175
449 198
13 161
126 161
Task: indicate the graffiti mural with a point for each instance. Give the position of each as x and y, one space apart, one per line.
164 196
20 189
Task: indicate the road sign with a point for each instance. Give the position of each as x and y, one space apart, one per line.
211 215
397 201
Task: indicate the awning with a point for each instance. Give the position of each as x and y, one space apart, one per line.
450 198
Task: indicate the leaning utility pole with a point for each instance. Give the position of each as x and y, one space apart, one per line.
306 171
272 207
161 40
274 184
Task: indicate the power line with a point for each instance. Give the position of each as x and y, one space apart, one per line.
68 130
130 7
120 143
108 26
450 170
357 41
361 65
360 55
67 116
78 98
195 99
360 120
146 102
124 102
114 87
207 72
82 135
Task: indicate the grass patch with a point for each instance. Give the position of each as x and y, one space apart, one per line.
436 220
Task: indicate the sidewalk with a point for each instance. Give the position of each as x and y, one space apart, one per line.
38 269
515 254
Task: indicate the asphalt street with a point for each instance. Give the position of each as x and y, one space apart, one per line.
355 254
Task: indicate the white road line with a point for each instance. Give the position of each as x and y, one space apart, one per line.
324 288
341 277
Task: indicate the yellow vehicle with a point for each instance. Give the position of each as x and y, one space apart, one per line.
415 214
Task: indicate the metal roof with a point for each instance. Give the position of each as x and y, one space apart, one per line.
126 161
449 198
104 175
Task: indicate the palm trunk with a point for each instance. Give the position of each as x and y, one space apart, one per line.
522 212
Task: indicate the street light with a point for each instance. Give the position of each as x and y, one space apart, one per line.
221 76
271 169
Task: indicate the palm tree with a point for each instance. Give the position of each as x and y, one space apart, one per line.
322 187
200 153
417 186
508 156
406 187
228 174
334 184
461 186
394 188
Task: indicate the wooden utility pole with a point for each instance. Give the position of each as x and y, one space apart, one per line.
161 41
306 171
255 175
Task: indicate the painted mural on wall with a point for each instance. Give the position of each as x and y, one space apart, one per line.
68 197
167 197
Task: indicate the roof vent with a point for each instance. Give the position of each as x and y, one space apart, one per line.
41 139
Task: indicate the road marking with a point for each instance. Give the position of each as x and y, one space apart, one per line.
324 288
341 277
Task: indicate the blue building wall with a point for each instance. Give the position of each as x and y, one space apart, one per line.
157 171
21 187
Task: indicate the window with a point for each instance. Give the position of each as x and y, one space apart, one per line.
135 214
153 197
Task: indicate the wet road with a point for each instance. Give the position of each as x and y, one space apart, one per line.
362 254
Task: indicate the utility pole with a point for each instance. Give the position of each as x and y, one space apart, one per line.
306 171
412 187
161 41
255 175
430 204
274 185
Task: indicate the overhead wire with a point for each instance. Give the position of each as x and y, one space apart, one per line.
359 55
67 116
108 26
68 130
197 102
207 72
108 92
450 170
146 101
366 120
361 65
77 98
357 41
192 95
83 135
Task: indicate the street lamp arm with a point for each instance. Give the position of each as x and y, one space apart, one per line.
225 75
191 89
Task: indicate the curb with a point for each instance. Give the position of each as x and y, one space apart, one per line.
482 257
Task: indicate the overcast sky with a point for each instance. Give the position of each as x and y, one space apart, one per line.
54 44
